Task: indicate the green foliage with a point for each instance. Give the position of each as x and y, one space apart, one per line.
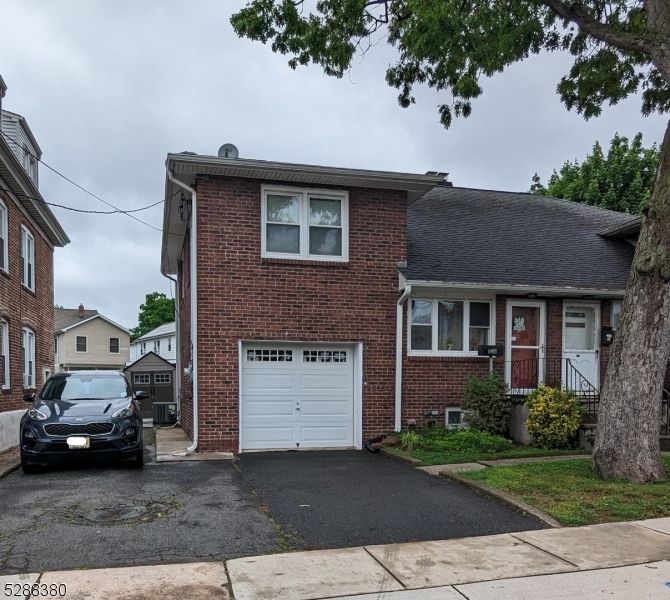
156 310
486 404
458 441
553 417
573 494
408 439
452 44
621 181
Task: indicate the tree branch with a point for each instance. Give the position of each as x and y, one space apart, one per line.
620 39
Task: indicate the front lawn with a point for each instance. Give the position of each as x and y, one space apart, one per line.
573 495
443 446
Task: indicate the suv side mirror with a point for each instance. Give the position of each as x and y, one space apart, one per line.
29 397
141 395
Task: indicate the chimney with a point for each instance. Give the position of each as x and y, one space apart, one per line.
81 311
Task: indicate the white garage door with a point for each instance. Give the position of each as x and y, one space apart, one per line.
297 397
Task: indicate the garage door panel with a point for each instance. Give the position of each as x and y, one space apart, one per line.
330 408
269 407
268 436
326 436
324 382
259 381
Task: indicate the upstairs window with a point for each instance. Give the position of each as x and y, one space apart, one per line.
143 348
305 224
157 346
4 354
169 344
114 346
28 357
4 251
27 259
449 327
81 343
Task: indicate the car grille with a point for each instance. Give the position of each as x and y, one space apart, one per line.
84 429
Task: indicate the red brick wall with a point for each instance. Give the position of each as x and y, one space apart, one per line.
184 304
21 307
241 296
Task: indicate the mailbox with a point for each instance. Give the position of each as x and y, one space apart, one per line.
607 336
491 351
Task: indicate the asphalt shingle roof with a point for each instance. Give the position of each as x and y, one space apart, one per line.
161 330
479 236
65 317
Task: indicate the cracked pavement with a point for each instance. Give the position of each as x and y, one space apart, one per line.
84 516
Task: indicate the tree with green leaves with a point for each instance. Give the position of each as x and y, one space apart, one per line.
620 181
620 47
156 310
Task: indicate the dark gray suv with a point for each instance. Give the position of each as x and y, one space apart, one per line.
82 414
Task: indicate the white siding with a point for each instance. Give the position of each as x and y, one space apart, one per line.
169 355
18 140
97 355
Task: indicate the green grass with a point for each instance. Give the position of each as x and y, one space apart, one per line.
570 492
443 457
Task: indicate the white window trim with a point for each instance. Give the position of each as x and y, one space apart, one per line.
4 232
6 376
168 375
143 348
461 425
25 260
157 347
110 345
304 194
136 375
169 344
76 337
466 326
28 350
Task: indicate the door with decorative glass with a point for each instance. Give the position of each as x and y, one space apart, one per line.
525 337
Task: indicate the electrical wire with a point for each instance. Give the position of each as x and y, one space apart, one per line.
83 189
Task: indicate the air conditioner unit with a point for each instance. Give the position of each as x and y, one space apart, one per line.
164 413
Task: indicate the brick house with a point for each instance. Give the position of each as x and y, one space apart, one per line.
29 232
319 307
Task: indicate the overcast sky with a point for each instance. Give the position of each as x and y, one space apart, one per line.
109 87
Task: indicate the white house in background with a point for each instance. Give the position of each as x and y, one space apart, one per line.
161 341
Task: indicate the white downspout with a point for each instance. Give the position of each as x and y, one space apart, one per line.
398 358
194 307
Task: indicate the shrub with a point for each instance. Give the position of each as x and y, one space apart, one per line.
464 440
486 404
408 439
553 417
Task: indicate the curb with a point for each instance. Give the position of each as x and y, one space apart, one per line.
7 470
408 460
503 497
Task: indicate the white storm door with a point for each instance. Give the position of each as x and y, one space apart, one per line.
581 345
525 341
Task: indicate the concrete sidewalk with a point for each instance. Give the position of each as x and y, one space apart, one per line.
619 561
172 443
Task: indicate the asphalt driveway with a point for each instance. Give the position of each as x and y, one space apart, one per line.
114 516
336 499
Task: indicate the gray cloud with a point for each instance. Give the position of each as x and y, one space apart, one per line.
109 88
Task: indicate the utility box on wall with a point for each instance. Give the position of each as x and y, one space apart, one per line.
606 336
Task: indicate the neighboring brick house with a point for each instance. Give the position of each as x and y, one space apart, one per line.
86 340
29 232
332 305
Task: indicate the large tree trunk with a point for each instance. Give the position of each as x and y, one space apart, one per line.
627 437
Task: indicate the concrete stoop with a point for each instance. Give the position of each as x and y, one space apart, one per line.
618 561
172 444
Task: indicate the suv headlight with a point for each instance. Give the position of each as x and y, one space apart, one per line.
123 413
33 413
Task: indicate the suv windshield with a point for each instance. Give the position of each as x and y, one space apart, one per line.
83 387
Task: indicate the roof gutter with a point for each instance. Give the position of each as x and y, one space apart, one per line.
398 358
194 307
519 289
